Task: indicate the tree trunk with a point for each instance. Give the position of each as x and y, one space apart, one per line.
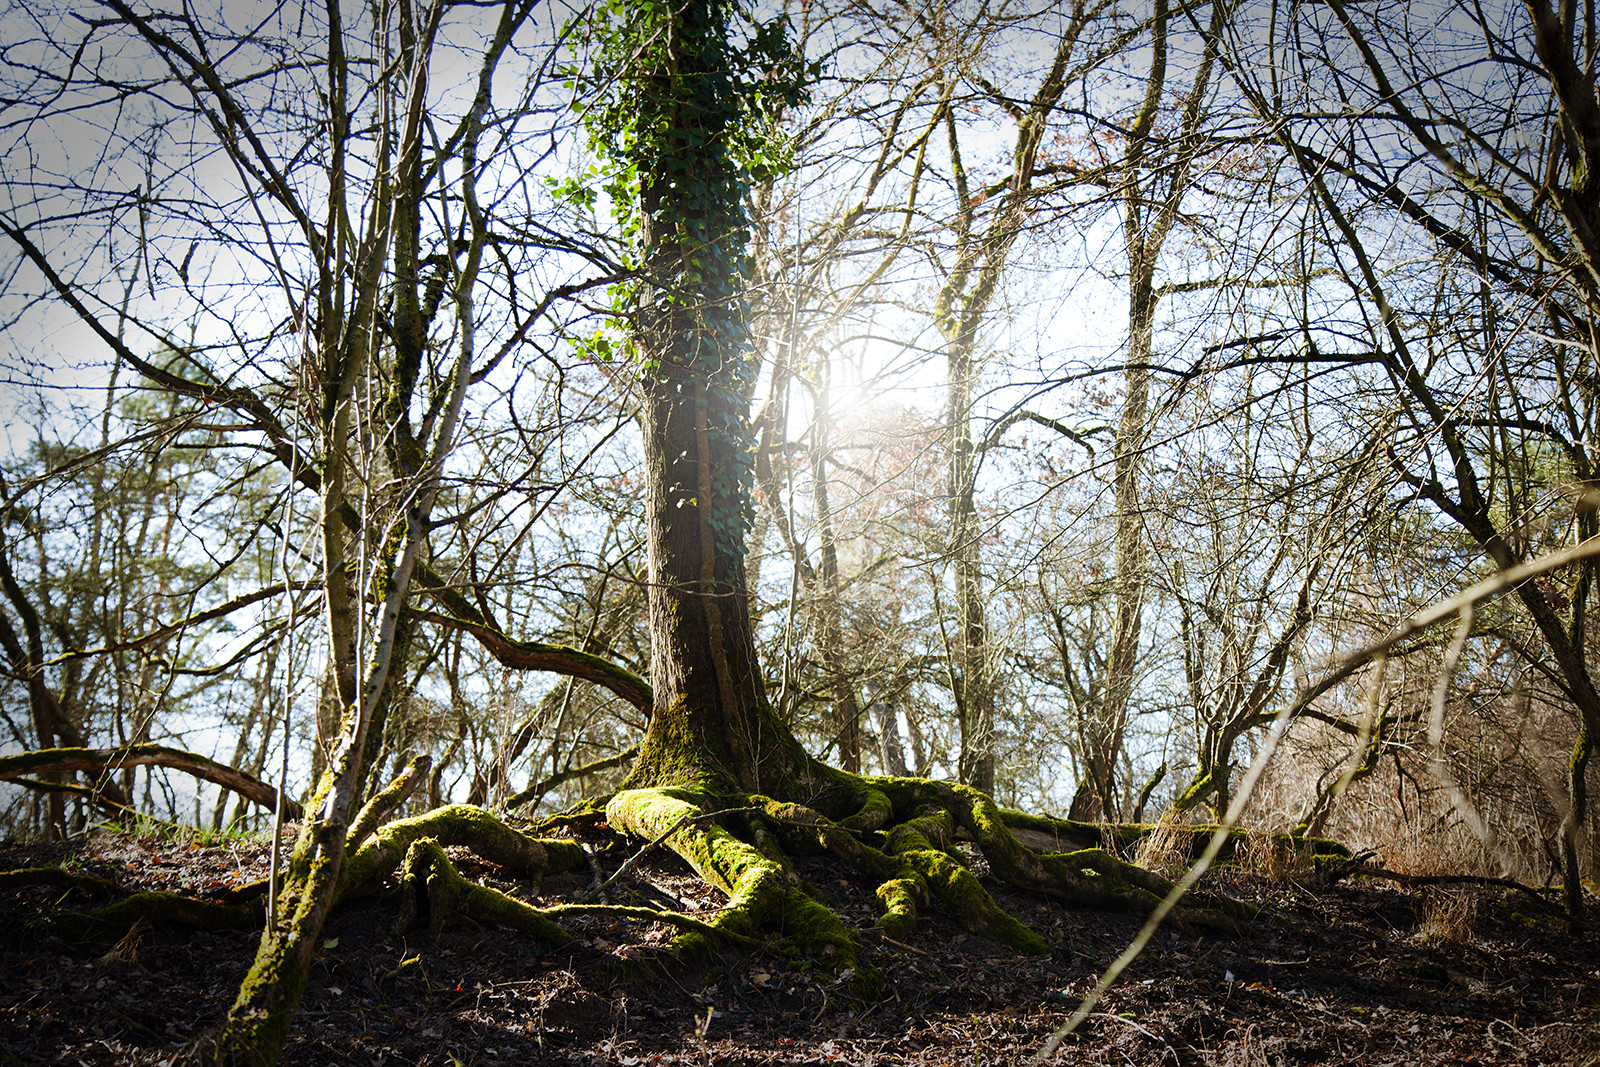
1572 827
719 777
975 692
711 720
846 725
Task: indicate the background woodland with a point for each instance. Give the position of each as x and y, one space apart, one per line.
1116 371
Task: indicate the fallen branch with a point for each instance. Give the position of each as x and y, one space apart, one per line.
114 920
1450 879
56 878
669 918
106 760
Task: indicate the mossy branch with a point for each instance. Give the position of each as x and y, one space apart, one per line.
114 920
57 878
387 800
539 656
458 824
432 890
106 760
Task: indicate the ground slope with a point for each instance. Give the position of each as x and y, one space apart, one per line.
1350 973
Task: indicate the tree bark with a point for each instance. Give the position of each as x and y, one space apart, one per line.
710 716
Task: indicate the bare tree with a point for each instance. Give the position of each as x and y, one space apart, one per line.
1489 162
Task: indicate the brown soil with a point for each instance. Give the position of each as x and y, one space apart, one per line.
1330 974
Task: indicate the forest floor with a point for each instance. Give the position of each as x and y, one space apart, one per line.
1354 972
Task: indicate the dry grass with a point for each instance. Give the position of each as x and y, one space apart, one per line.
1274 860
1448 850
1166 849
127 949
1247 1050
1447 916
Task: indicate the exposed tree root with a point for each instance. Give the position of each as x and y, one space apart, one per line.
115 920
1364 871
385 850
1048 833
432 890
762 886
918 842
57 878
372 814
901 833
458 824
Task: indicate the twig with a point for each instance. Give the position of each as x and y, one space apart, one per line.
1279 723
1180 889
671 918
538 789
1151 1034
633 861
873 931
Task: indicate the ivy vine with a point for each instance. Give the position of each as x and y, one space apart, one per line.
682 105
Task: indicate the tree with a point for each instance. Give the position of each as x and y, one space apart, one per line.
1490 161
1151 180
394 222
969 281
347 360
689 111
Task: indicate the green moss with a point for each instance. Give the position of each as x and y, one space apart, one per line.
432 890
258 1022
876 809
675 754
900 899
761 890
464 825
1197 791
801 829
586 811
933 827
112 921
798 829
971 905
1581 749
719 857
816 929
